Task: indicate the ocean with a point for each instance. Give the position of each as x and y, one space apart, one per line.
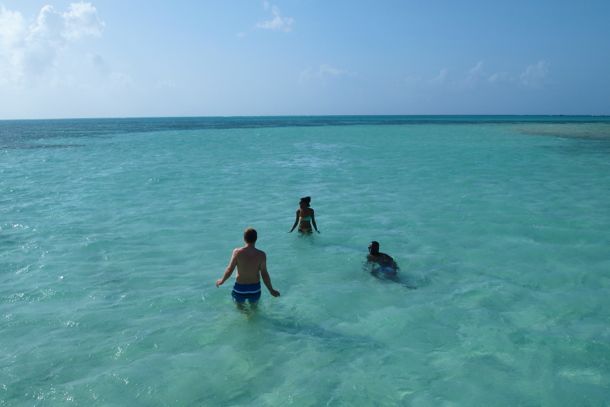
114 231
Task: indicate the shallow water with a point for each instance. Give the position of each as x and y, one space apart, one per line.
112 233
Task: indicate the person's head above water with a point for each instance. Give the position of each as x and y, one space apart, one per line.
250 235
374 247
305 202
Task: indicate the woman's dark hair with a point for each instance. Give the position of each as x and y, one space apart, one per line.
306 200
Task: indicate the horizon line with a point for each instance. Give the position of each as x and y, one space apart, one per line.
299 116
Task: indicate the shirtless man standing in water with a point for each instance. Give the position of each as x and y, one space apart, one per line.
251 267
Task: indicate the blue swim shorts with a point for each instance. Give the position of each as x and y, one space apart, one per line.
243 292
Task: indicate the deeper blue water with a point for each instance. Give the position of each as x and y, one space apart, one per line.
113 232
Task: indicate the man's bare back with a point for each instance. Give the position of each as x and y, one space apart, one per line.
251 265
250 261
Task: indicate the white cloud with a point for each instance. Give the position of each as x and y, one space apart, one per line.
535 75
81 20
121 80
441 78
166 84
412 80
100 65
12 36
478 76
327 70
476 73
107 75
277 22
30 50
11 27
500 77
322 72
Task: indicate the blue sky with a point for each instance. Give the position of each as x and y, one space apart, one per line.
110 58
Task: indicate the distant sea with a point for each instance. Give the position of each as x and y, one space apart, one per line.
113 232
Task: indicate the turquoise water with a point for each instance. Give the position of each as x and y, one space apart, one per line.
113 232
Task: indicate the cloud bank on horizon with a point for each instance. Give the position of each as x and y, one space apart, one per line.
80 59
534 76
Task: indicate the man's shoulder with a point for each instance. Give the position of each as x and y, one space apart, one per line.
239 250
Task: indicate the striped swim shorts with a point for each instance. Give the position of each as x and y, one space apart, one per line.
243 292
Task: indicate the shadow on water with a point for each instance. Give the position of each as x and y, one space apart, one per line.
294 326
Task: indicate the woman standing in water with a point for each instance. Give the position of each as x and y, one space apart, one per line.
305 217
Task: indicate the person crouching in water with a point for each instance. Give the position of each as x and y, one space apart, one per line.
251 266
382 263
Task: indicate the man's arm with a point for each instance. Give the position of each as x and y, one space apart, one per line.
229 269
266 278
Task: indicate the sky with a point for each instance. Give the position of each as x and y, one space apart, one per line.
141 58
